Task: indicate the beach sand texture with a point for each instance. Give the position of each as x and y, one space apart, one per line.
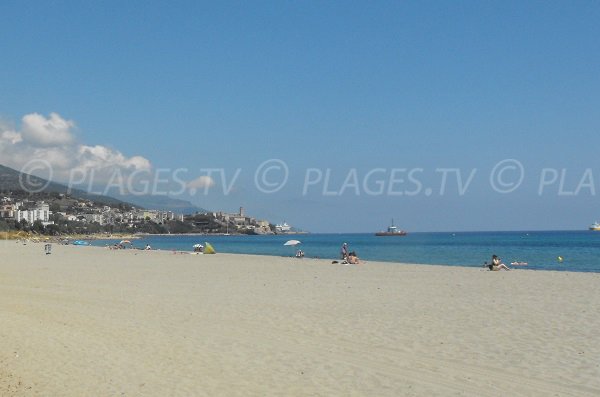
87 321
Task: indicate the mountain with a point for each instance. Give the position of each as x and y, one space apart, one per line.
13 180
162 203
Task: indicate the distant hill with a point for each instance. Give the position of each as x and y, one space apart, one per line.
163 203
13 180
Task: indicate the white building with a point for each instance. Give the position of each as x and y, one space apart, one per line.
99 218
40 213
164 216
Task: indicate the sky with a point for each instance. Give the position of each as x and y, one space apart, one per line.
331 116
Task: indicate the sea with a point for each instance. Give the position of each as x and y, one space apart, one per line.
576 251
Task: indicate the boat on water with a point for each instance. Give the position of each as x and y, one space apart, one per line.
391 231
595 226
283 228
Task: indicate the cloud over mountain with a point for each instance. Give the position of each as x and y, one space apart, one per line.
53 140
47 132
202 182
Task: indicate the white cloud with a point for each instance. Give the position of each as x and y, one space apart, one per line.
52 131
10 137
103 157
53 140
202 182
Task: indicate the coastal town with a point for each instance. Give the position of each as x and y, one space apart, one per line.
57 214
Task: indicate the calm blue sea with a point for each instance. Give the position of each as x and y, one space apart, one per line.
580 250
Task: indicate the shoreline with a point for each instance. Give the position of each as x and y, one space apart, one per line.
368 261
58 241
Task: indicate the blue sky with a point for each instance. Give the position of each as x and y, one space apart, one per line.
348 87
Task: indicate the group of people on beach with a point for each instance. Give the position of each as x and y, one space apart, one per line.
348 257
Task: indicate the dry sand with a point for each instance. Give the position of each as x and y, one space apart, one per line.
94 322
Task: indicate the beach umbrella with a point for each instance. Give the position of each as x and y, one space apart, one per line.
198 247
125 242
292 243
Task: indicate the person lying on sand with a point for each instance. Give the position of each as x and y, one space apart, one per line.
519 263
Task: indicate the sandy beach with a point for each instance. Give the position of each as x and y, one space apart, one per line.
89 321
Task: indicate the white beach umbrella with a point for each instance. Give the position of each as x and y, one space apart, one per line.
198 246
292 243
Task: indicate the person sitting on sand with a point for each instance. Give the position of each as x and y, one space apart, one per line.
353 259
299 254
497 264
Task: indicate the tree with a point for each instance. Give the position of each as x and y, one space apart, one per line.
53 229
22 225
38 227
177 227
56 217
